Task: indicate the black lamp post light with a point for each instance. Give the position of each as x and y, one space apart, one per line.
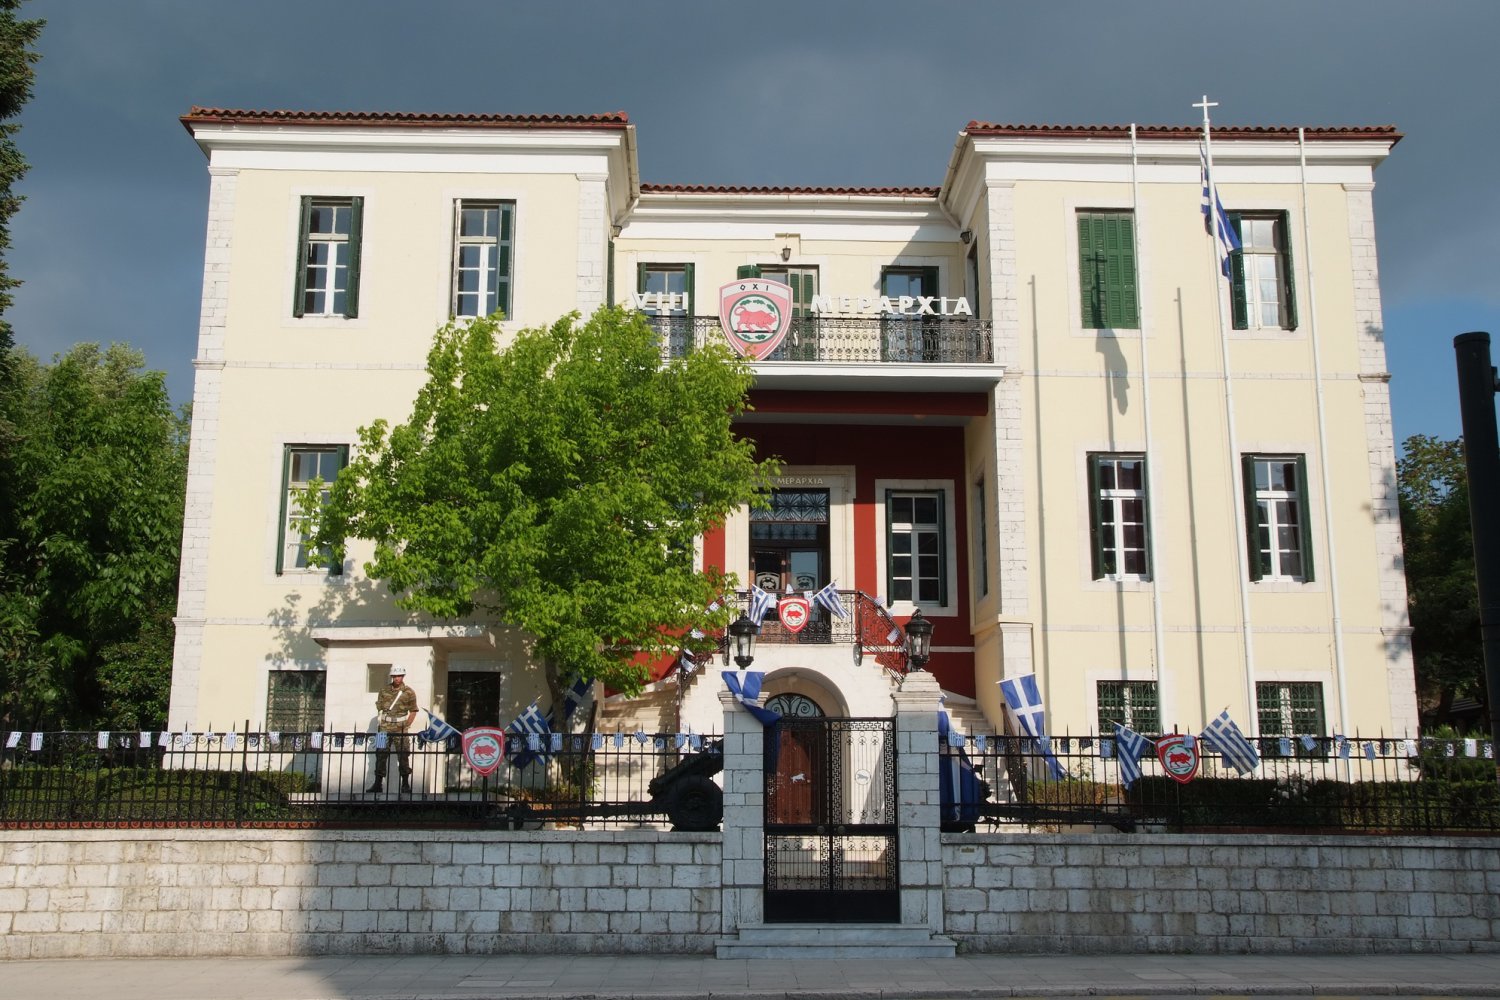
918 641
742 633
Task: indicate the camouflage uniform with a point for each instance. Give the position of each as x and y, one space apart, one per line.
394 705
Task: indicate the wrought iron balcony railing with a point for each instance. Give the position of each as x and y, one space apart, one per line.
959 340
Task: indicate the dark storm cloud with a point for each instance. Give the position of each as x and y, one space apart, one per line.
110 239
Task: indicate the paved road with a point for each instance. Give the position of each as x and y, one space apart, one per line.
463 977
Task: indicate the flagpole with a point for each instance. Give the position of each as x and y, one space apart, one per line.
1312 327
1241 549
1153 540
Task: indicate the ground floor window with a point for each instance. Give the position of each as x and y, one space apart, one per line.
295 700
1290 709
1132 704
473 698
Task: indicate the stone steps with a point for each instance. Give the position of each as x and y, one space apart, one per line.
839 941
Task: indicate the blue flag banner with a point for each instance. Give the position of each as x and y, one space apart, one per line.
1130 747
1025 701
1216 220
828 598
1224 736
745 686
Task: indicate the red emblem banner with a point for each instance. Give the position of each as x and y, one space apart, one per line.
755 315
1179 757
484 748
794 612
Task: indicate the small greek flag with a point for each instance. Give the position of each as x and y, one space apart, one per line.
438 731
761 604
1216 220
1130 746
531 726
828 597
104 741
1224 736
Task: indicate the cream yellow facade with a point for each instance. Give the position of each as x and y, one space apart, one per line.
1002 435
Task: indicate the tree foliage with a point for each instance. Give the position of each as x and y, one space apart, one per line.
16 77
89 541
1441 591
559 483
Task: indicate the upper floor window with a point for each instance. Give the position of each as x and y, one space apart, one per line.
300 466
668 289
803 282
981 541
1117 490
1132 704
328 245
1262 292
482 252
1276 517
916 547
1106 270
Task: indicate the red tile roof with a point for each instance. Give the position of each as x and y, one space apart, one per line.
236 116
1186 132
877 192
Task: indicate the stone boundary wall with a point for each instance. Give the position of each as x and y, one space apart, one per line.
73 893
1232 893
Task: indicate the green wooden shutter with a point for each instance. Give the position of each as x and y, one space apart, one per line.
504 255
1089 251
286 472
1258 568
1289 269
1238 299
609 274
299 295
1096 534
1303 511
747 271
1121 309
337 568
640 277
929 281
356 232
690 279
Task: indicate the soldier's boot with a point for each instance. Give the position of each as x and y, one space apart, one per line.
378 786
406 783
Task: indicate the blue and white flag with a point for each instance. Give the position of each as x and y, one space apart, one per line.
1216 220
1224 736
438 731
531 726
761 604
745 686
1025 700
687 660
1130 746
828 597
572 698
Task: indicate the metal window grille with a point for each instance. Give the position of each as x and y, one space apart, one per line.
295 700
1130 703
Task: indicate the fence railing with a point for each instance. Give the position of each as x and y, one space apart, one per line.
260 779
850 339
1312 784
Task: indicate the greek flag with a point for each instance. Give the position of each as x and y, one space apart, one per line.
1216 220
1130 746
828 597
438 731
1025 700
745 686
961 793
572 698
1224 736
531 725
761 604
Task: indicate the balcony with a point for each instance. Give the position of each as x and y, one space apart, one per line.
865 626
936 340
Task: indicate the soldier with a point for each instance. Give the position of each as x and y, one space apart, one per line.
396 705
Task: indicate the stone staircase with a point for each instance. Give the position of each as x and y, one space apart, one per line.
845 941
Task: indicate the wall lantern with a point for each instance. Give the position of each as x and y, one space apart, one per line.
742 633
918 641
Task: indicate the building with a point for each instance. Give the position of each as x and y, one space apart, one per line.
1023 402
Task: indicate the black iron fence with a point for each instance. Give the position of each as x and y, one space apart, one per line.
1309 784
857 339
259 779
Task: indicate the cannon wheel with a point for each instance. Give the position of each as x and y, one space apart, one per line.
697 804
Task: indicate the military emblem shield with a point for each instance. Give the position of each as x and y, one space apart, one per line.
1178 757
755 314
794 612
484 748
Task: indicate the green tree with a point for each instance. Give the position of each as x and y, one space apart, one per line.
16 77
1441 592
88 571
558 483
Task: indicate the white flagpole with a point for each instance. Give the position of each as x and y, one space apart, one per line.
1241 549
1153 539
1312 326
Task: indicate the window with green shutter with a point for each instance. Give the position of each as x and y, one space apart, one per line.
1117 517
483 252
1132 704
328 252
1106 270
1277 522
1263 291
1291 709
801 342
300 466
295 700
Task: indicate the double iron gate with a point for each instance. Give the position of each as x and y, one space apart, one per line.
830 832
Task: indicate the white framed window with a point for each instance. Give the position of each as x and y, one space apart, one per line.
483 250
1117 517
300 466
328 251
1276 517
981 540
1262 291
916 547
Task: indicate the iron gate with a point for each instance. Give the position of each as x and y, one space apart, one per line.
831 821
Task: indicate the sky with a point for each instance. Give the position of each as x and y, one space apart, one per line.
109 242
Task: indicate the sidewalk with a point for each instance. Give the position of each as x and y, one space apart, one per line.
468 977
